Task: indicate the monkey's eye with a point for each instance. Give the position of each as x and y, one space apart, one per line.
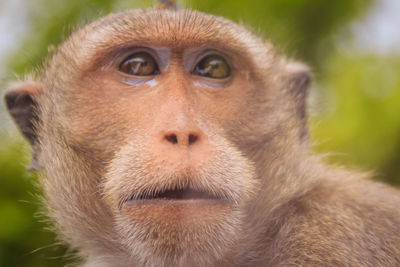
213 66
139 64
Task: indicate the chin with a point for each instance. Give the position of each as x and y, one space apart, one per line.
179 232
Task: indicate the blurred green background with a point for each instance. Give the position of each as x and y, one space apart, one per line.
354 104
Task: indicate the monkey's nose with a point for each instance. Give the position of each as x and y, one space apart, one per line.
179 138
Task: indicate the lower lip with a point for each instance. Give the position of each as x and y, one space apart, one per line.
177 201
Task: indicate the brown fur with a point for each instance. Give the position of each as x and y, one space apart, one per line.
99 140
166 4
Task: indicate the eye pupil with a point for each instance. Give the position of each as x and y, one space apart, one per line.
213 66
139 64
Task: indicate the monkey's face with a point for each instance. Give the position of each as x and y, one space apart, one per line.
148 120
175 183
146 113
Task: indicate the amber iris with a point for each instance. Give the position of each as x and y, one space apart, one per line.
139 64
213 66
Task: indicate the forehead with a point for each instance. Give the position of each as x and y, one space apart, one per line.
162 28
166 27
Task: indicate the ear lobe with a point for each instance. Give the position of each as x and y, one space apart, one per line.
298 78
22 105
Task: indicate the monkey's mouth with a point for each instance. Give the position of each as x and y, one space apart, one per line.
176 194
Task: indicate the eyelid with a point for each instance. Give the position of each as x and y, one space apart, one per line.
142 55
197 71
193 58
161 55
211 52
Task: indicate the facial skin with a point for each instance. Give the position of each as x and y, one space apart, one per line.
176 138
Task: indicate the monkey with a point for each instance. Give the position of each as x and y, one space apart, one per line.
170 137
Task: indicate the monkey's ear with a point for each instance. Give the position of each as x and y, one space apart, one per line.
21 101
298 77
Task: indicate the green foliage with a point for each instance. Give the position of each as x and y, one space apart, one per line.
53 21
23 238
361 119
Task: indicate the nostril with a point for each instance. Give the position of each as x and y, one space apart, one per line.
172 138
192 138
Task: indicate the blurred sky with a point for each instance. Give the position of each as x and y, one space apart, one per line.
379 30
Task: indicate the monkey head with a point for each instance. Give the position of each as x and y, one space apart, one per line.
151 130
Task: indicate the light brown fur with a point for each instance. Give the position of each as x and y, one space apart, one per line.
99 140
